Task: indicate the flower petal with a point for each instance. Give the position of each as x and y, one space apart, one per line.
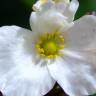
75 75
49 21
12 49
83 34
17 63
42 5
29 80
39 76
12 83
8 39
65 7
70 10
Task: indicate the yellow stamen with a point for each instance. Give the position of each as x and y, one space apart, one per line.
42 55
55 56
40 50
50 47
61 46
50 56
50 44
37 46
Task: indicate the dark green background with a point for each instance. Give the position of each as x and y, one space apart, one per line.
17 12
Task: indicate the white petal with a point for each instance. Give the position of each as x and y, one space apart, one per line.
19 62
12 83
42 5
83 33
65 7
27 80
39 76
70 12
76 76
69 9
15 47
9 37
85 55
49 21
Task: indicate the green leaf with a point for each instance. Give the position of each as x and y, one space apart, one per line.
93 95
29 3
85 7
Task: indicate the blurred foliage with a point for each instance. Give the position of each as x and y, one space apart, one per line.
85 7
14 12
93 95
28 3
17 12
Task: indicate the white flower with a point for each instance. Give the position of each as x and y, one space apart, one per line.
31 62
66 7
42 4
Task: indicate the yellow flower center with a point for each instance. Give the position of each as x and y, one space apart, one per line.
50 44
50 48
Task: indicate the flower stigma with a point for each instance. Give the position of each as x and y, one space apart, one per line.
50 44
